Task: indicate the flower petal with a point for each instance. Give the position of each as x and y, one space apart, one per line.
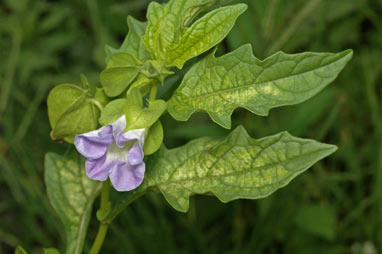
138 134
97 169
125 177
121 137
119 127
135 155
93 144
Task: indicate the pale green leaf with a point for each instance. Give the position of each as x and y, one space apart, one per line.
101 97
71 194
204 34
112 111
58 104
143 83
168 38
138 117
165 21
116 108
154 138
238 79
134 97
236 167
120 72
132 43
71 111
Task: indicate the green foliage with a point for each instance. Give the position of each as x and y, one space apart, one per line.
50 42
71 194
71 111
125 63
132 43
168 37
154 138
112 111
138 117
238 79
236 167
232 168
120 71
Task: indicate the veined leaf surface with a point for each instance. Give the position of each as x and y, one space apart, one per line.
238 79
71 111
71 194
169 39
231 168
119 73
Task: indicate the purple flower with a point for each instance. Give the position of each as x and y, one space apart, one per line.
111 152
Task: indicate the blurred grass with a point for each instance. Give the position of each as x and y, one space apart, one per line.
334 208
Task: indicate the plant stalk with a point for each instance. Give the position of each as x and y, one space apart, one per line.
102 230
153 91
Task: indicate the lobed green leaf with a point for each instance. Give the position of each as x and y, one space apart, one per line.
71 193
168 38
231 168
205 33
238 79
236 167
165 21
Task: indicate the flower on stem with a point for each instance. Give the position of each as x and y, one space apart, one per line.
112 153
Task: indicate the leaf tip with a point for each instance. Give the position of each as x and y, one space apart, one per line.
346 55
331 148
242 7
349 52
130 19
222 120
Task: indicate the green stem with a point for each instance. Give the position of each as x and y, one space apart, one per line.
102 230
153 92
97 104
105 195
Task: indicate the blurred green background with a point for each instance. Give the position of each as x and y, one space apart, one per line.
333 208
